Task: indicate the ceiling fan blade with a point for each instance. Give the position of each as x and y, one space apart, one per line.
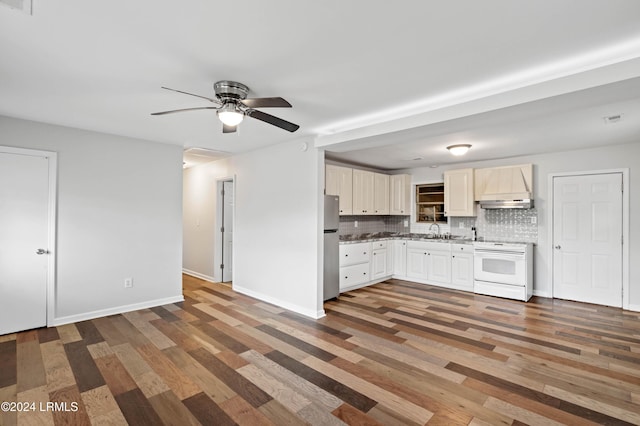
266 103
215 101
268 118
181 110
228 129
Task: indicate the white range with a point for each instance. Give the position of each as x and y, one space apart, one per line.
503 269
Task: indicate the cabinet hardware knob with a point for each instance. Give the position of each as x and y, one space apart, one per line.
558 247
346 255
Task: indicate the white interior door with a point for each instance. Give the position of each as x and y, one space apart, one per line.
227 234
587 238
24 222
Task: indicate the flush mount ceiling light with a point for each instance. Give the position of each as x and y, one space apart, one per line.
459 149
229 114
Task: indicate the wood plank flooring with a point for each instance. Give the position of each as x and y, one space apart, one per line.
396 353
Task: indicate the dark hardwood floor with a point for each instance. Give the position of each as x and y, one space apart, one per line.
396 353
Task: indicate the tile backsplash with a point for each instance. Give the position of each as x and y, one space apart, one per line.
372 224
507 225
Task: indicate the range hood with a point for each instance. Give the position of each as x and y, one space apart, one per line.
526 203
505 187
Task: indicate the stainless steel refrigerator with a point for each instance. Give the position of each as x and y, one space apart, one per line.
331 267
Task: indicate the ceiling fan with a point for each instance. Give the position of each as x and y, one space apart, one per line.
233 105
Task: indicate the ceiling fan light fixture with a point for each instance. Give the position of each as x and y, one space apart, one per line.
459 149
230 115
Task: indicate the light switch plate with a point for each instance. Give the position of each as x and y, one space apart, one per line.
534 220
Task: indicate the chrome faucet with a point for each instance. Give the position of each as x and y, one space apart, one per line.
437 228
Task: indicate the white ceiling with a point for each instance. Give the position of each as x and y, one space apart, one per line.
404 78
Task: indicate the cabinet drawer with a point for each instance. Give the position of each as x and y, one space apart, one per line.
351 254
501 290
379 245
461 248
354 275
429 246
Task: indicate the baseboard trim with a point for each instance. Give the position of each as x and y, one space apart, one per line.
635 308
117 310
199 275
542 294
280 303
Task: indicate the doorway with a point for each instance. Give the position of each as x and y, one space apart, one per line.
226 247
588 226
27 238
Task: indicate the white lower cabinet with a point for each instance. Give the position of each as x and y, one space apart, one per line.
439 263
462 266
380 260
399 254
429 262
416 262
439 266
355 267
365 263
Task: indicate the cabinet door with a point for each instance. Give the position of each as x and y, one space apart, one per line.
462 270
339 181
379 264
458 193
400 258
416 263
381 194
400 195
363 186
439 266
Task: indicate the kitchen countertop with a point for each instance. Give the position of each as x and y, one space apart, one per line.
451 239
378 236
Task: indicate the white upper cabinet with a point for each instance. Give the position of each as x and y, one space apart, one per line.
459 193
400 195
381 194
363 192
339 181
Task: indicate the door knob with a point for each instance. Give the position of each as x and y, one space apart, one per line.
42 251
558 247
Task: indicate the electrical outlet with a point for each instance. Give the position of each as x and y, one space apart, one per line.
534 220
406 223
461 225
355 223
128 282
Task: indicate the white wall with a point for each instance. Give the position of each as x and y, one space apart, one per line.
119 215
277 251
612 157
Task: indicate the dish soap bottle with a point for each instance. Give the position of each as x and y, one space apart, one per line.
473 233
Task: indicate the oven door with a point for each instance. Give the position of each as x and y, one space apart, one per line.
499 267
